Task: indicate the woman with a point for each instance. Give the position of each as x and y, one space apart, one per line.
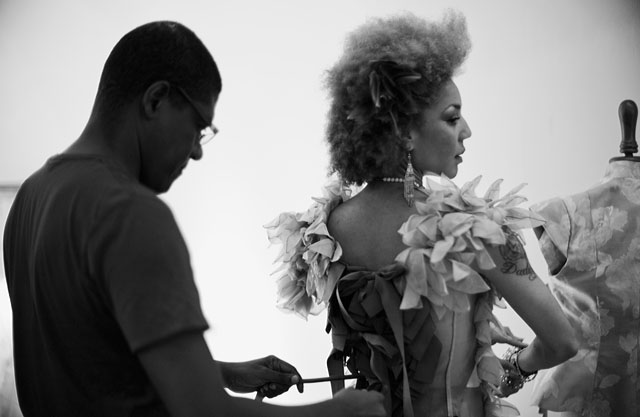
399 263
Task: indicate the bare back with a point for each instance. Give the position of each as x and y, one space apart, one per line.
366 226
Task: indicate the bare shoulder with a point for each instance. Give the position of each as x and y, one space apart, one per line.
346 218
367 229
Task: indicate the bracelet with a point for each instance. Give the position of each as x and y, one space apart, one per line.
528 376
515 380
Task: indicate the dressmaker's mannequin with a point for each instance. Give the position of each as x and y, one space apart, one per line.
591 242
628 112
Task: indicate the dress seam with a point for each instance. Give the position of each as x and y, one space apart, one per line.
447 381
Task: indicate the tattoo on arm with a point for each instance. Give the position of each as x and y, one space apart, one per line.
515 258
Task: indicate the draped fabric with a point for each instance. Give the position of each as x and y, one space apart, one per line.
591 242
383 323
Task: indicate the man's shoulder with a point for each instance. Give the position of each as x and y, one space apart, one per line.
95 186
100 177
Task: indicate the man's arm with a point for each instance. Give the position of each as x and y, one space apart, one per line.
190 383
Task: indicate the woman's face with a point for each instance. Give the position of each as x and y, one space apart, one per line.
438 134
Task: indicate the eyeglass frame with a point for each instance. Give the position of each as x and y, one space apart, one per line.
209 132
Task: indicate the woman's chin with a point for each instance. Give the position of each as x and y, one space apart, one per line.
452 172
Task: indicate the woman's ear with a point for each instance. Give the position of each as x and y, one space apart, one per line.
413 131
154 96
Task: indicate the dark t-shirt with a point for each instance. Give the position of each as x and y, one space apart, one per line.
97 270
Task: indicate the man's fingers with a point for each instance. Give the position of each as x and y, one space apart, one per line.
297 381
278 364
271 390
282 372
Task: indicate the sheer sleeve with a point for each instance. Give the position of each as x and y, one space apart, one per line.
555 233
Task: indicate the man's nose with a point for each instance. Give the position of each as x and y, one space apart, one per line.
196 152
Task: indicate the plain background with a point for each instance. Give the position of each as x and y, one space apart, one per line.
540 90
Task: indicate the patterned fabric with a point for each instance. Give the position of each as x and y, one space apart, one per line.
591 242
383 323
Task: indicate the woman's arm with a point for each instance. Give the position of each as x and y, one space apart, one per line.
518 283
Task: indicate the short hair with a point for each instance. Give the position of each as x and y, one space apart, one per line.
157 51
390 71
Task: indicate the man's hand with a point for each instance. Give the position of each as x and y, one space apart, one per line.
270 376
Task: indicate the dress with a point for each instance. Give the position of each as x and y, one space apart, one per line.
402 326
96 270
591 242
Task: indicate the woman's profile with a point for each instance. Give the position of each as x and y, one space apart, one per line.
409 269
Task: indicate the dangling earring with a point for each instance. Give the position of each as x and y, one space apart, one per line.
409 181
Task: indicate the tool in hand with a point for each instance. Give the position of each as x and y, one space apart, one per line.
260 396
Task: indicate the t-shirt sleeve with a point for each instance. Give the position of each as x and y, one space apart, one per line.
554 235
144 267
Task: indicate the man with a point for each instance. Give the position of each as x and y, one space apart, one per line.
107 319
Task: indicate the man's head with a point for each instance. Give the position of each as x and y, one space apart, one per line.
162 73
157 51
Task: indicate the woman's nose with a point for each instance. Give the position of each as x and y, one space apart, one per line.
465 133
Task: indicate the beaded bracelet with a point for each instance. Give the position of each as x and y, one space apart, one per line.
528 376
515 380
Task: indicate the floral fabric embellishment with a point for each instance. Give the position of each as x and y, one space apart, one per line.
308 272
449 233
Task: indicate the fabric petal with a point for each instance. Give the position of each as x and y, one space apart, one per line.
455 224
441 248
307 271
493 192
324 247
488 230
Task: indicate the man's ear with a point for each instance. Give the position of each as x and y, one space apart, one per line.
154 97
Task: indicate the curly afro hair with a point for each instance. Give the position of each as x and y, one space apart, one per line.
390 71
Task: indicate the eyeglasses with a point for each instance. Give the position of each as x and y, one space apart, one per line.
208 132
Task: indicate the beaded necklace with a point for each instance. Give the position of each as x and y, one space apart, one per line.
416 183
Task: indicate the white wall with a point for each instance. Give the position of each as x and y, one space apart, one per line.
540 90
8 395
